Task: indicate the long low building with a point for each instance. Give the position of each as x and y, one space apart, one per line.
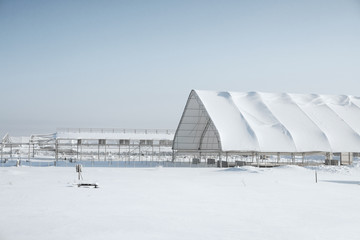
121 136
94 144
256 122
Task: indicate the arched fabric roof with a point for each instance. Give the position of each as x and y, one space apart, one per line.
269 122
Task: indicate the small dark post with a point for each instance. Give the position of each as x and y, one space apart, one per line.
79 170
315 176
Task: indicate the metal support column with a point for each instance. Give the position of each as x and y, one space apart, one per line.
2 151
105 151
119 151
220 160
98 151
56 150
226 156
303 158
29 152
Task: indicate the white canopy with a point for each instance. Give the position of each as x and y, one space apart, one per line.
269 122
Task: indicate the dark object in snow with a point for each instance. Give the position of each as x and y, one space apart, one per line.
211 161
195 161
79 170
88 185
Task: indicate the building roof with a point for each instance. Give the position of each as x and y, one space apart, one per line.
269 122
114 134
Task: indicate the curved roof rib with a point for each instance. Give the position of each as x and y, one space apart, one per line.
270 132
234 132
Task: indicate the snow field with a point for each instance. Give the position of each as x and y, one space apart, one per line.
180 203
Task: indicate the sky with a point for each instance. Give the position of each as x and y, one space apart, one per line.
132 64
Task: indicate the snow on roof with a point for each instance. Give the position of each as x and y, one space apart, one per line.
115 135
19 140
269 122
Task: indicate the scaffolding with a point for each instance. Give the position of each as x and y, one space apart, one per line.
78 144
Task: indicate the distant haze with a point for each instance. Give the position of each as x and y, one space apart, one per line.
132 64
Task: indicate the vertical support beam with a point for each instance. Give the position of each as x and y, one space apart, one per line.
129 153
220 160
98 151
152 152
226 157
146 155
119 150
257 159
81 147
2 151
29 152
56 150
77 151
303 158
105 149
278 157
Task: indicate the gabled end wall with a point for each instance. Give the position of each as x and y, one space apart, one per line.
196 131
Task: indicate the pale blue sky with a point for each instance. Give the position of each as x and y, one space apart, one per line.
132 64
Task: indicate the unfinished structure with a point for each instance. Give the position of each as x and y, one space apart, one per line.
259 128
75 144
114 144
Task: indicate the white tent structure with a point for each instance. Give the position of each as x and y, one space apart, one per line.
255 122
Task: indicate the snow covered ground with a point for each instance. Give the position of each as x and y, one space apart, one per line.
180 203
